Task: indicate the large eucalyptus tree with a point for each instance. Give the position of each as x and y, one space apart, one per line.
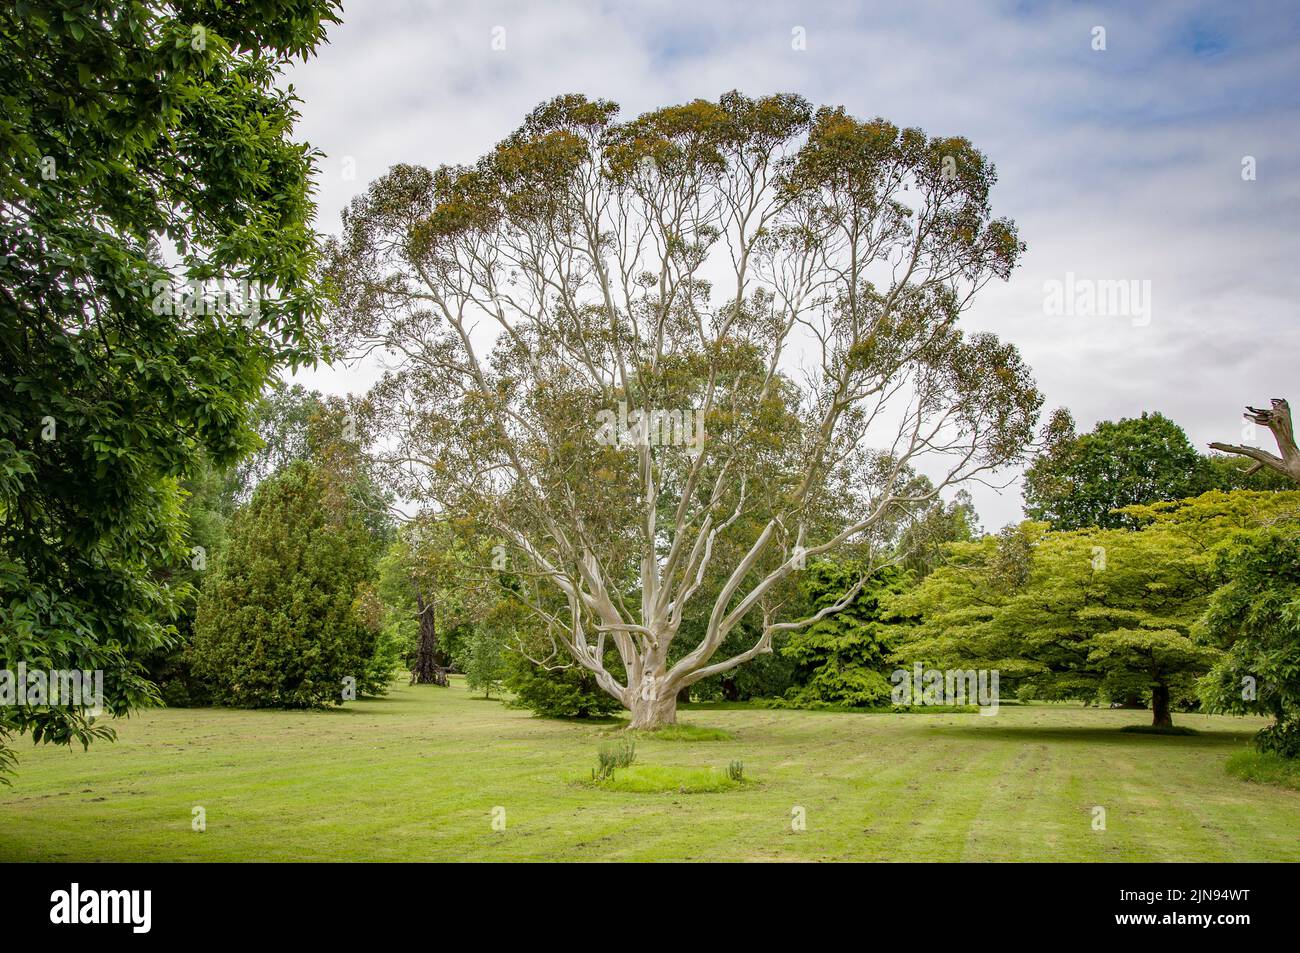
718 331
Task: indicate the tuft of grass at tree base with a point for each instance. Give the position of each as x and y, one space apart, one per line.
682 732
667 779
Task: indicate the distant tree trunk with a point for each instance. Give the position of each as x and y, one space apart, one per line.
684 695
1160 716
1133 700
1278 420
426 670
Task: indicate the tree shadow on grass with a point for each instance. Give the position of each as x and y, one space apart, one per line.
582 719
1092 735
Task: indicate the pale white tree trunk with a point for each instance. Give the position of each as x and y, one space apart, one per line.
654 712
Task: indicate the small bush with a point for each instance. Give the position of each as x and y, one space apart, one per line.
481 658
1281 739
736 771
610 757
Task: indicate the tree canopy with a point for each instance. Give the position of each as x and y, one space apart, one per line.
290 611
1082 480
1095 613
1255 620
618 344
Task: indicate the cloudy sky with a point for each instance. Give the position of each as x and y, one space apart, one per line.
1127 163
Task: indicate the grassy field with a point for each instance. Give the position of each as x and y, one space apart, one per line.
417 776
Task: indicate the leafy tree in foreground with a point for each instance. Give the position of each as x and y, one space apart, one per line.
614 342
1255 619
132 131
289 612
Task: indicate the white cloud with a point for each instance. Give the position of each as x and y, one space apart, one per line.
1117 164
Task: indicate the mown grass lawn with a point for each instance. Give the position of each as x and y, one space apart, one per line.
417 775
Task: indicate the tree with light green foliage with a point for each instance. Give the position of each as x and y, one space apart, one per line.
1092 614
482 659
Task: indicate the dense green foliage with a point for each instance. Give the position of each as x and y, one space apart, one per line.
770 675
482 660
289 613
1255 619
1081 480
842 658
207 511
132 134
1095 614
556 689
1227 473
291 423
